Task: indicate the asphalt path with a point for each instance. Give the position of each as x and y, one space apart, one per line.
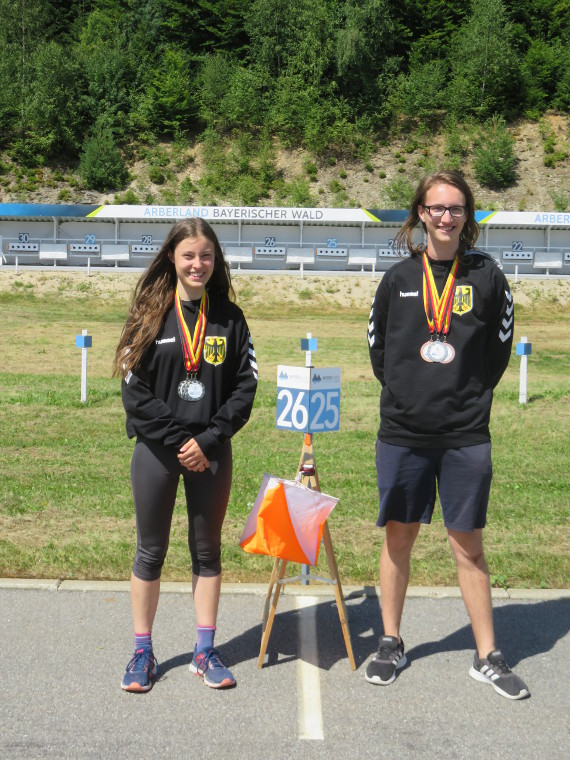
66 646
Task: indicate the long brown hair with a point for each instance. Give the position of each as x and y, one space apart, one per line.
403 242
154 293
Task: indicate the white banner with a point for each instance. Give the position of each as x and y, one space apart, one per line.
528 218
232 213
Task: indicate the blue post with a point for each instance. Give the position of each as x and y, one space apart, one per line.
83 342
524 350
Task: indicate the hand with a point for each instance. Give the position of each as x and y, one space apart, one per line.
192 457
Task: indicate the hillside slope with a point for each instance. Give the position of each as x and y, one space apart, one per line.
379 182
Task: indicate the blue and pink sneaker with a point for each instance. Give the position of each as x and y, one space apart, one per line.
209 666
141 671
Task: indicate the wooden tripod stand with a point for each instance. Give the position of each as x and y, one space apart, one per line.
309 478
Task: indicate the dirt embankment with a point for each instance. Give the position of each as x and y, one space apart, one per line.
312 290
342 182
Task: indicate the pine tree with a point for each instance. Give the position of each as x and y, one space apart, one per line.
101 166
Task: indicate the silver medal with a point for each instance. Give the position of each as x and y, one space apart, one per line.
437 351
191 390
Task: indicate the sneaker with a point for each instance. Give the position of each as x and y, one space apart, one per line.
389 658
140 671
209 666
494 670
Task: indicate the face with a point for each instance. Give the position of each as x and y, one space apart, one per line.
193 260
443 232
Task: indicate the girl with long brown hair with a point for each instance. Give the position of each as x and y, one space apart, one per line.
189 379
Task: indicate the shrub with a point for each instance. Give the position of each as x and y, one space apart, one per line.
248 190
129 198
156 175
311 169
551 159
412 146
30 150
561 200
187 190
296 193
101 166
400 193
456 145
552 155
494 159
340 199
168 196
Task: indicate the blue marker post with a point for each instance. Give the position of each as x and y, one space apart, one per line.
83 342
308 345
524 350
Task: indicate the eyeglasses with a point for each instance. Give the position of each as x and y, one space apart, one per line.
457 212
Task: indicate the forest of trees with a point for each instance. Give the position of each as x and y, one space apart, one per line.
81 77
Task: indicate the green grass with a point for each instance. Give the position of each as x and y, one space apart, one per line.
65 500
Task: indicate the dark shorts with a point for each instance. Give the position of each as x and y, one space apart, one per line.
407 480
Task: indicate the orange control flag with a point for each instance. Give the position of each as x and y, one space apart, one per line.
286 521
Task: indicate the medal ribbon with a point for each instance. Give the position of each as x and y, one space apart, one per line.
193 346
440 307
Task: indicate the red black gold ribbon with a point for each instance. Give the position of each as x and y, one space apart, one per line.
438 310
193 346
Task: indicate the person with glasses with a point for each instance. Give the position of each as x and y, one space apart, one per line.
440 335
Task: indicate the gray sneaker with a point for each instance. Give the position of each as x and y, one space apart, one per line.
389 658
494 670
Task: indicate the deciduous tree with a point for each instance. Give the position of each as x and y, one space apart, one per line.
485 70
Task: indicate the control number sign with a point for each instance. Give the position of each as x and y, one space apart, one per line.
308 399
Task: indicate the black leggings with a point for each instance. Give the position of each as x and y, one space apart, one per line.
155 474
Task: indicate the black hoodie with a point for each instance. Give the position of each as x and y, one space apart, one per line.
429 404
228 371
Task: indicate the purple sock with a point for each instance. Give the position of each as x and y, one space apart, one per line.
143 640
205 637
